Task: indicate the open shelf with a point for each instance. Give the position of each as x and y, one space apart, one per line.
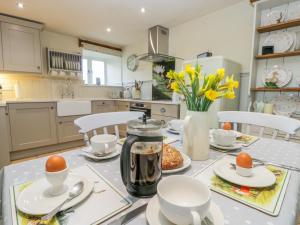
266 89
278 55
278 26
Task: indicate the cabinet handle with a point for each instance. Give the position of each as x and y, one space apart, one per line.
38 67
6 113
162 110
163 122
60 122
51 107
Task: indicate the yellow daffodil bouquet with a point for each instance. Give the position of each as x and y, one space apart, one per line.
199 90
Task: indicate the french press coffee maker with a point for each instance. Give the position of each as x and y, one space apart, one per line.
141 157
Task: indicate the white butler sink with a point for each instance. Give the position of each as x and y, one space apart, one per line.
73 107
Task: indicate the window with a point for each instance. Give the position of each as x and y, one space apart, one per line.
101 69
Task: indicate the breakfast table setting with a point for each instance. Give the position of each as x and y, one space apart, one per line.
182 172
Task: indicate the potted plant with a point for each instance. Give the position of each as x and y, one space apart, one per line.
200 91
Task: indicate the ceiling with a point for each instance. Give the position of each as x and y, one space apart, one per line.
90 18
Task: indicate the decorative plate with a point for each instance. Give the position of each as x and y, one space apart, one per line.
293 11
284 105
276 16
278 76
281 41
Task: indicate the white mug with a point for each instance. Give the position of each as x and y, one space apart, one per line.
176 124
103 143
183 199
224 137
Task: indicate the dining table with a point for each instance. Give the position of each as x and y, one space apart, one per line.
235 213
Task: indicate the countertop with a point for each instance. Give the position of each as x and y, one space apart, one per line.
4 103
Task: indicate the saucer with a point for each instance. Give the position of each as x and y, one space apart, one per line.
186 163
173 131
261 176
87 152
35 199
155 217
235 146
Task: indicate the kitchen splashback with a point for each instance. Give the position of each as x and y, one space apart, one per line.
32 87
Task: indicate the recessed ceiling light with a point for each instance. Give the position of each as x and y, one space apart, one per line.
108 29
20 5
143 10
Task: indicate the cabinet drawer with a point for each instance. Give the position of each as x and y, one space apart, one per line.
103 106
123 106
165 110
163 119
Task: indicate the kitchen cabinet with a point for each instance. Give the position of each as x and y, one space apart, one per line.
104 107
66 129
4 138
1 52
21 48
121 107
32 125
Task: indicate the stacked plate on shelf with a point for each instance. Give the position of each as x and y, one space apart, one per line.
282 41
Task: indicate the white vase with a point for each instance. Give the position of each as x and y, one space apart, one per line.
196 135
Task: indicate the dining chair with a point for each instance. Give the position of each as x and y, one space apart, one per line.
263 120
103 120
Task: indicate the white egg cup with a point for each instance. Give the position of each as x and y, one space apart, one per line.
244 172
183 200
56 180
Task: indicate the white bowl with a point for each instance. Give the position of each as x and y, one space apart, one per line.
183 200
57 179
103 143
224 137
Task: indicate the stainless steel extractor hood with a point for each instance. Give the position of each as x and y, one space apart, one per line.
158 46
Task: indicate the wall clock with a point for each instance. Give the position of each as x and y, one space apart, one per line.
132 62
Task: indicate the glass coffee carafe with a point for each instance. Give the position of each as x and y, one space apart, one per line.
141 157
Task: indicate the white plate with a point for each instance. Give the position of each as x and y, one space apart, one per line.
283 76
87 152
276 16
235 146
35 200
281 41
186 163
262 177
155 217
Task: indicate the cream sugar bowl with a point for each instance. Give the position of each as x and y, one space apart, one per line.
224 137
103 143
183 200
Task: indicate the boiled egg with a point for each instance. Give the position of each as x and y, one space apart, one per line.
244 160
227 126
55 163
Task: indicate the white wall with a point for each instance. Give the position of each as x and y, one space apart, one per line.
227 32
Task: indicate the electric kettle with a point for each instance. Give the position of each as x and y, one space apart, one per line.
141 157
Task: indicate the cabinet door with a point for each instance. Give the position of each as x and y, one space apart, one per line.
165 110
1 52
21 48
67 131
32 125
123 106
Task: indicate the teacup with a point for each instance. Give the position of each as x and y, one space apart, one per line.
57 179
183 200
103 143
224 137
176 124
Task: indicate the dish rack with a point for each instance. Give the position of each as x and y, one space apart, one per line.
64 64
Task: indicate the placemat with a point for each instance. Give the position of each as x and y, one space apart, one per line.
97 208
268 200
